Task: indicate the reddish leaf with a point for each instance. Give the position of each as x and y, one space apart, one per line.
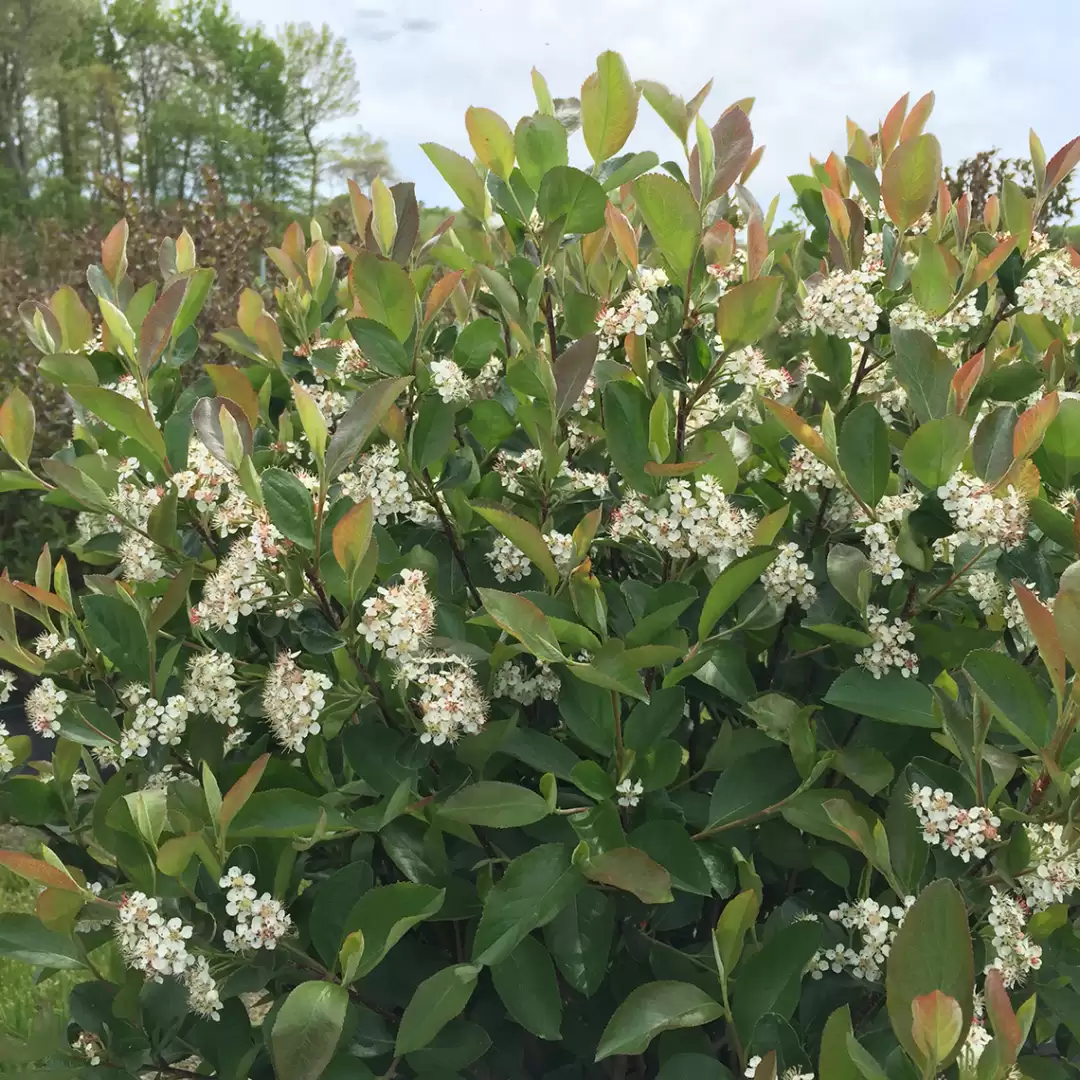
114 251
352 535
672 468
966 379
889 134
43 596
839 218
916 119
440 293
992 212
37 870
1062 163
719 243
361 208
231 382
757 247
733 140
838 174
240 792
623 233
157 327
802 431
937 1022
1007 1031
963 216
293 243
1040 620
752 164
1032 425
989 265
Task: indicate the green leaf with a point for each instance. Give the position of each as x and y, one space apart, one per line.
746 311
540 146
114 627
834 1061
768 981
631 870
671 213
290 506
752 784
17 426
383 351
359 423
492 140
282 812
1009 689
307 1028
573 197
526 983
495 804
1061 443
626 423
931 951
128 417
849 574
931 281
460 173
909 180
732 582
935 450
924 371
891 698
669 844
652 1009
580 937
436 1001
863 451
609 104
525 536
386 291
534 889
626 168
384 915
524 620
739 914
23 938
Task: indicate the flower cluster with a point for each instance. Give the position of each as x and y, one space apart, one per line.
876 924
1056 866
730 273
793 1073
887 649
909 316
44 704
157 946
292 699
1051 287
789 579
963 833
450 382
987 590
211 687
841 304
140 557
691 520
87 1045
750 369
1015 954
398 620
981 517
807 472
154 721
238 587
204 478
512 680
451 702
884 560
508 561
49 644
634 315
379 477
261 921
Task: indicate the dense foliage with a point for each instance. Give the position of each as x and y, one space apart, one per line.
608 638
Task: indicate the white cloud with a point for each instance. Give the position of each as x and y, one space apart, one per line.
995 71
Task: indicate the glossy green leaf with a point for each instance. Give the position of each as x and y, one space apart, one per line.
746 311
525 536
609 103
521 617
673 219
572 197
652 1009
580 937
495 804
307 1028
460 173
290 506
540 146
891 698
935 450
386 292
435 1002
863 451
909 180
385 914
525 982
729 585
1008 688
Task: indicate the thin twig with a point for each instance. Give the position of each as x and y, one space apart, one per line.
459 555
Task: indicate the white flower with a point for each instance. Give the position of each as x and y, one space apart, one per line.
379 476
238 587
688 520
1051 287
211 687
962 832
292 700
583 405
451 702
876 925
451 383
89 1046
629 791
884 560
651 278
806 471
909 316
981 517
512 680
887 650
204 478
202 992
7 755
507 560
399 619
44 704
788 578
7 684
841 304
1057 866
261 921
731 274
1015 954
148 942
48 645
750 369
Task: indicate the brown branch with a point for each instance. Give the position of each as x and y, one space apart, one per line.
448 528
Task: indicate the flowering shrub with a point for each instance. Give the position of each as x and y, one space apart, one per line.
613 637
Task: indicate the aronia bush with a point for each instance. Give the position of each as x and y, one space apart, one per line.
614 636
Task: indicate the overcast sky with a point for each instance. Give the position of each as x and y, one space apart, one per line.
998 67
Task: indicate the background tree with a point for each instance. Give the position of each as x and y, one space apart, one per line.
984 173
321 88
